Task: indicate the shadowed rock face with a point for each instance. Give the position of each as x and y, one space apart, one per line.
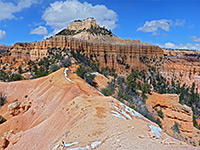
105 46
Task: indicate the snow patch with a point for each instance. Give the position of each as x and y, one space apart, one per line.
95 144
125 111
94 73
70 144
88 147
116 114
126 115
155 130
131 111
65 72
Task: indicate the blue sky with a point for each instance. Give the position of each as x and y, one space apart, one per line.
167 23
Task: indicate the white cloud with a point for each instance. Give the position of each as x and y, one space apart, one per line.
2 34
195 39
189 46
163 24
7 9
179 22
39 31
154 25
60 14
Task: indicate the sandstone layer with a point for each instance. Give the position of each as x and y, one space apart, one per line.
174 113
106 47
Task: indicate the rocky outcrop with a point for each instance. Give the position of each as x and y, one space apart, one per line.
16 107
83 24
9 137
174 113
106 53
3 142
108 49
5 47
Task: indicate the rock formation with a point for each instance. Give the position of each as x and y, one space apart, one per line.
106 47
16 107
80 25
174 113
4 47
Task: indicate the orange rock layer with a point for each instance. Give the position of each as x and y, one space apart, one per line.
107 53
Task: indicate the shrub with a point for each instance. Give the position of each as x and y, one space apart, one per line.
66 62
54 67
15 77
146 88
160 114
108 91
159 122
81 71
175 127
20 70
89 78
2 119
2 99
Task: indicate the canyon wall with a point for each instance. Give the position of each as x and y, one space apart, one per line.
107 53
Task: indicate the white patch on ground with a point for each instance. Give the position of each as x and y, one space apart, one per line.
99 91
155 130
131 111
94 73
116 114
125 111
126 115
70 144
95 144
87 147
65 72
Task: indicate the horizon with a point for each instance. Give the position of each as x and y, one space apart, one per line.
174 25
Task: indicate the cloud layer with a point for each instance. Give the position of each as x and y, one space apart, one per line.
195 39
39 31
163 24
189 46
60 14
7 9
2 34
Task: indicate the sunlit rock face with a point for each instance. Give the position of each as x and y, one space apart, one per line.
88 37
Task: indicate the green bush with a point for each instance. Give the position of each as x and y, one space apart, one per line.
15 77
175 127
160 114
81 71
54 67
108 91
66 62
2 119
2 99
89 78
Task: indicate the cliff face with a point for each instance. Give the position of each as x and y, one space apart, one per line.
174 113
106 53
80 25
95 41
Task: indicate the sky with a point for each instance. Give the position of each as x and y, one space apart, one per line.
167 23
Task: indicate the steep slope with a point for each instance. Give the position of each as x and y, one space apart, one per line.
64 109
